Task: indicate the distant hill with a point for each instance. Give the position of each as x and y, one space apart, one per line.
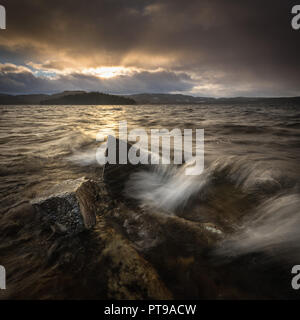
90 98
164 98
96 98
158 98
65 93
66 98
31 98
22 99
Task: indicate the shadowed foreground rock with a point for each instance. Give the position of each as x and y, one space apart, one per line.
48 256
70 206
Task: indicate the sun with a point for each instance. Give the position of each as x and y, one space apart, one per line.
107 72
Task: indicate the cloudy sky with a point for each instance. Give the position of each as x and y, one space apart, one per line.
203 47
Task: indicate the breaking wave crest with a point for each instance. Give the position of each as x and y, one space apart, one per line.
165 187
272 229
271 225
168 187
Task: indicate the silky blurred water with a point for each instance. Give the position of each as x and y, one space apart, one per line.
248 195
38 143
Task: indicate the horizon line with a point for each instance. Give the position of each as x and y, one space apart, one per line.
150 93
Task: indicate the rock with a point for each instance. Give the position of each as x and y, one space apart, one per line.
129 276
117 175
70 207
59 228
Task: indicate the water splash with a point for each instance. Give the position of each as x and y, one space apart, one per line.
272 229
165 187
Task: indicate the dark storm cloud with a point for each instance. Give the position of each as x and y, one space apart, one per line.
228 47
14 79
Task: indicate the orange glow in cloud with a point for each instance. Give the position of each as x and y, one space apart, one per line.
108 72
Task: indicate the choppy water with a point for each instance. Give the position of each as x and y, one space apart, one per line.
255 146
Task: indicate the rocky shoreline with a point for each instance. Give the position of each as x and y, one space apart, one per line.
79 240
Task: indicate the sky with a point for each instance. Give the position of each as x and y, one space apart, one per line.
218 48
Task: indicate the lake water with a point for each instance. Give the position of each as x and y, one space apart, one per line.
253 149
38 143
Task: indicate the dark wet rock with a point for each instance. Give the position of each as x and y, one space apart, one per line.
147 229
71 206
117 175
128 274
58 228
176 247
98 264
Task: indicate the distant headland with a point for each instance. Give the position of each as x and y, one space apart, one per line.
67 98
97 98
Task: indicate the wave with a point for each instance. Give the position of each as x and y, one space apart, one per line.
271 222
243 129
75 141
272 229
165 187
168 188
85 158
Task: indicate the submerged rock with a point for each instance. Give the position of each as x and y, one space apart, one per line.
70 206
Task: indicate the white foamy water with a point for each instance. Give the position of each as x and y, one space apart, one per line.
167 188
273 228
